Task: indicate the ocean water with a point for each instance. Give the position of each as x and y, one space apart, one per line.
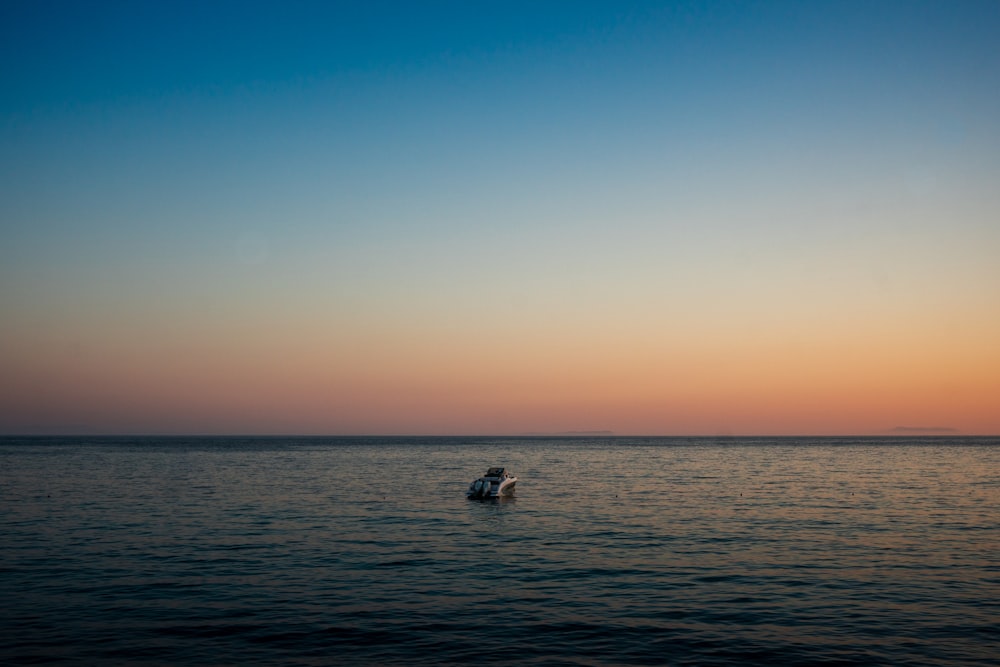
615 551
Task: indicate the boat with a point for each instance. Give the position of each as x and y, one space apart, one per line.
496 483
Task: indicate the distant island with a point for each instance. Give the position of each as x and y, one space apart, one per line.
926 430
572 433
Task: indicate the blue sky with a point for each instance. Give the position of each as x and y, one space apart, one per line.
553 179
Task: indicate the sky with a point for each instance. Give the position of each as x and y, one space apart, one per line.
675 218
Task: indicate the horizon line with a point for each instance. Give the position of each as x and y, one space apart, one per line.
560 434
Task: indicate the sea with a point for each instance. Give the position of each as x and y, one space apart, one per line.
614 551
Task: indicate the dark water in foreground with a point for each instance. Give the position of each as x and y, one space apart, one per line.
316 551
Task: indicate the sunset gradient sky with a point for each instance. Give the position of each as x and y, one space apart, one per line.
486 217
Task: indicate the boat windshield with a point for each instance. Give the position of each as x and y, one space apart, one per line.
495 472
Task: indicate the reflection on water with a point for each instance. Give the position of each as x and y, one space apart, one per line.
644 551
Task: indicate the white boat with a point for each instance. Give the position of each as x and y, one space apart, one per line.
496 483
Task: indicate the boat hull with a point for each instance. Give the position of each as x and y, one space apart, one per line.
485 488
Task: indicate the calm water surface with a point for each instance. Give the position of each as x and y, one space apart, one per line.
313 551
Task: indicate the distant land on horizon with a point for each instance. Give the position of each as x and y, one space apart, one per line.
573 433
927 430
